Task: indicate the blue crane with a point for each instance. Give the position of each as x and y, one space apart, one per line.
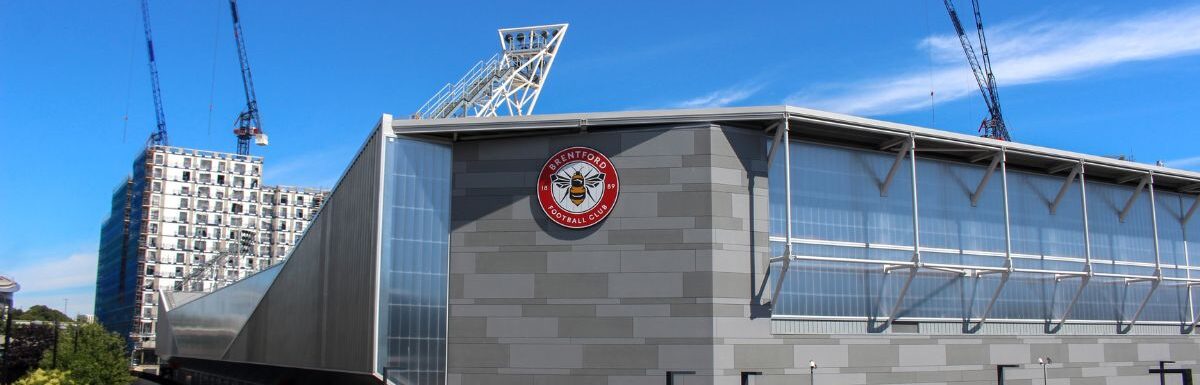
993 126
159 136
249 123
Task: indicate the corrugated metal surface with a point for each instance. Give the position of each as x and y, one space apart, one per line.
319 311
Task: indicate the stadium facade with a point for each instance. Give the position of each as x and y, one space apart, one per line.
716 246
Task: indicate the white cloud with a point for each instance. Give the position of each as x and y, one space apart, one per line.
722 97
1025 52
1192 162
49 281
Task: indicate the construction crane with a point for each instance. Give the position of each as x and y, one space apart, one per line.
249 123
508 82
993 126
159 136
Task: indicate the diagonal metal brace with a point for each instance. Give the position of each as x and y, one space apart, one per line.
774 143
987 175
992 302
1085 279
1062 191
1133 198
1191 211
1153 286
905 148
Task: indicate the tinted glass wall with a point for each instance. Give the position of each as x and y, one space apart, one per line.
414 258
838 212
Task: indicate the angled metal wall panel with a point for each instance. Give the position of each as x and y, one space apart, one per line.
319 311
206 327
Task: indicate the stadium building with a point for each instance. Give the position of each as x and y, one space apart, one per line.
717 246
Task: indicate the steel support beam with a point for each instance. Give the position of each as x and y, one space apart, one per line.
906 148
787 211
1133 198
1154 226
1008 263
1062 191
911 146
987 175
1087 247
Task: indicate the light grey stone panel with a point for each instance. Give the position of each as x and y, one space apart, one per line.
922 355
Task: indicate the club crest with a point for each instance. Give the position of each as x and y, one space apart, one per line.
578 187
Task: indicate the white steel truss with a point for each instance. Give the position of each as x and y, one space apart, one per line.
907 147
508 83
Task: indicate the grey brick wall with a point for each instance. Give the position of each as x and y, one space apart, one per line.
671 281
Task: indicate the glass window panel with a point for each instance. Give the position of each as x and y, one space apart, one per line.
837 211
414 261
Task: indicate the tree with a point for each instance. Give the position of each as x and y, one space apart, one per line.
46 377
41 313
92 355
29 342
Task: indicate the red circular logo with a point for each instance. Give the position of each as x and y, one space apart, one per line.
578 187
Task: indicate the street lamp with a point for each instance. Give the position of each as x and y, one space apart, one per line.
1044 361
812 376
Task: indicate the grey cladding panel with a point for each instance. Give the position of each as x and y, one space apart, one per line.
299 323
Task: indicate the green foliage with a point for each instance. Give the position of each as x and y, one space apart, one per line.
46 377
28 343
92 355
40 313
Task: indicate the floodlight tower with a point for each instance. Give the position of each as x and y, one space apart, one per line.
508 83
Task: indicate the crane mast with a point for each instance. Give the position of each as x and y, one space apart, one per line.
249 124
993 126
159 136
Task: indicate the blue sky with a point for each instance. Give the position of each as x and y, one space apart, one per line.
1100 77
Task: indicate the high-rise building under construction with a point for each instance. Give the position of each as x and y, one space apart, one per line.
190 220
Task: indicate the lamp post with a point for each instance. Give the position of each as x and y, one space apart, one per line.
1044 361
812 375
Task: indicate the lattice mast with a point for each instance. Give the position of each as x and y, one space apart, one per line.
249 124
507 83
993 126
159 136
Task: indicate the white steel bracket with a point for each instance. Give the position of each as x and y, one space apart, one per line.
987 175
906 146
1062 191
1133 198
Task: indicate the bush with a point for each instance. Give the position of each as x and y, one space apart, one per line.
46 377
29 342
91 355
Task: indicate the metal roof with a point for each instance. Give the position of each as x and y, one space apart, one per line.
808 124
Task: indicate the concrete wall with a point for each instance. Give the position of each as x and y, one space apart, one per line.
672 281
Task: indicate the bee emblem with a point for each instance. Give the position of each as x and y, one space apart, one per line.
578 186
